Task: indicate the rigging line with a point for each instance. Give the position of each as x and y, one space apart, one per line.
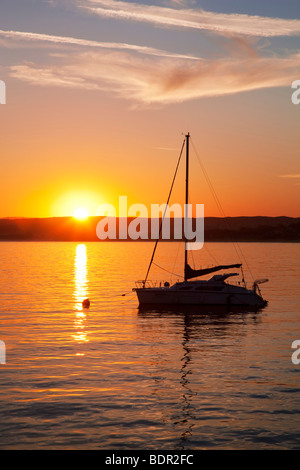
121 295
205 248
189 200
170 272
237 248
129 300
175 260
194 266
210 254
209 182
208 251
162 220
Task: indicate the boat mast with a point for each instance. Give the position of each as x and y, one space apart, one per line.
161 223
186 205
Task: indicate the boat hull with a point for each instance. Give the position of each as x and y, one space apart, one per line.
157 296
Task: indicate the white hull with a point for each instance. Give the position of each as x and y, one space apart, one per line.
229 295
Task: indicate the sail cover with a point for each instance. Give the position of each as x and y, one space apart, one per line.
191 273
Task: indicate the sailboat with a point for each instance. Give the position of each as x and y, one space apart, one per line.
195 292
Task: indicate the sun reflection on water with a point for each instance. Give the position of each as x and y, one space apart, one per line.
80 293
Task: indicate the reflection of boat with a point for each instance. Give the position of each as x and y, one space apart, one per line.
197 334
217 311
214 291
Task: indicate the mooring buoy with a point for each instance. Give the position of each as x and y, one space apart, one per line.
86 303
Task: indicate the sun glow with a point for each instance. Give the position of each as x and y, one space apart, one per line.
79 203
81 213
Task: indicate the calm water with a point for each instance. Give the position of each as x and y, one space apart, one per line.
112 377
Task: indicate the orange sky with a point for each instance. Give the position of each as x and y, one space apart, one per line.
63 147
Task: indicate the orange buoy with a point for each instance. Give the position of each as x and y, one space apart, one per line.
86 303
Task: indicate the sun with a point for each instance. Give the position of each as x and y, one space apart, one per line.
81 213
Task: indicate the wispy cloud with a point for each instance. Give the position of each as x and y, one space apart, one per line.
195 18
17 36
148 75
293 175
157 80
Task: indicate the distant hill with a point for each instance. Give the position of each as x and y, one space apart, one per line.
247 229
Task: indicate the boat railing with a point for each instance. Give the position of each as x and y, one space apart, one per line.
150 284
238 283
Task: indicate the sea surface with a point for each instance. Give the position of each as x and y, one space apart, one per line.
114 377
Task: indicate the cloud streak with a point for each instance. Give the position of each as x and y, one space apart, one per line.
70 41
156 80
293 175
196 19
